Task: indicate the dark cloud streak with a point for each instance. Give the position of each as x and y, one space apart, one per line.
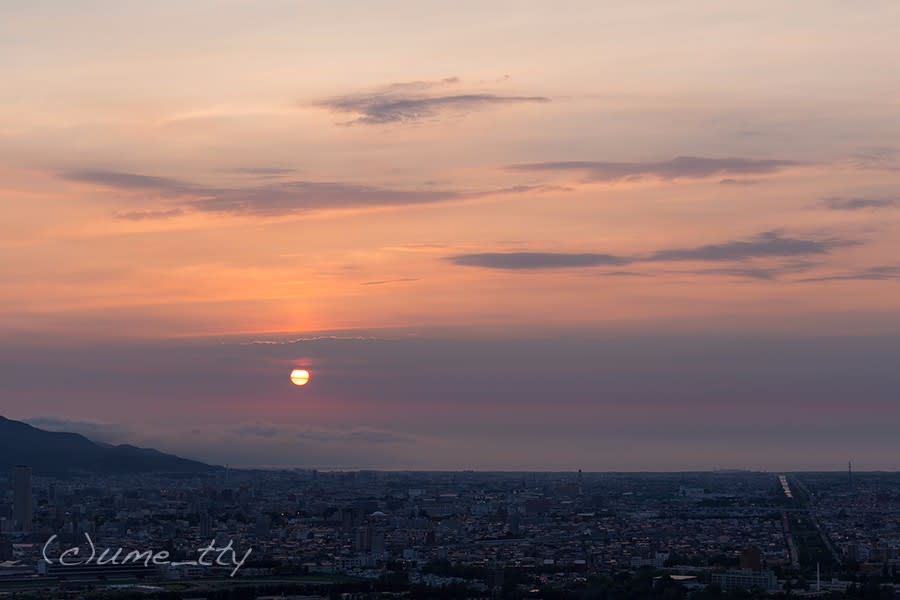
853 204
768 244
150 215
536 260
269 199
764 245
691 167
301 196
409 103
880 273
389 281
739 182
275 198
128 181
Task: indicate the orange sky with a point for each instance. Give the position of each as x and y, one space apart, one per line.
180 171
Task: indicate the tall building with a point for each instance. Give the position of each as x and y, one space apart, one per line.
513 521
205 526
22 500
263 526
377 543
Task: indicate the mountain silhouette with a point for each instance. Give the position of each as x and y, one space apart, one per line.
61 453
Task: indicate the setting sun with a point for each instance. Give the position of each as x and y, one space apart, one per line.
299 376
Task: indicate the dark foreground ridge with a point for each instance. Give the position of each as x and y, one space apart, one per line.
57 453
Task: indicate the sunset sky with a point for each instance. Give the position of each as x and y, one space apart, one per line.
504 235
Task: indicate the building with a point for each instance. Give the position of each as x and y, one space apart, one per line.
347 563
205 526
514 521
22 499
657 561
6 550
263 526
745 580
93 572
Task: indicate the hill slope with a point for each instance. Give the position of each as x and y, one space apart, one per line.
57 453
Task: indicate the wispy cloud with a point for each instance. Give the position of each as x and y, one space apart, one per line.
738 182
150 215
623 274
881 273
768 244
265 431
770 272
302 196
417 101
536 260
681 167
267 199
367 436
853 204
128 181
763 245
314 338
878 157
262 173
262 170
364 436
388 281
742 272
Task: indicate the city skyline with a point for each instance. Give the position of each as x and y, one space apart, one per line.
496 237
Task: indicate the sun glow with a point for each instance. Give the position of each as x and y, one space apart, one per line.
299 376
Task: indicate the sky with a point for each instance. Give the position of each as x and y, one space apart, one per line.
507 235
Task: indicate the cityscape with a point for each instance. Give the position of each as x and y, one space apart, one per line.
366 534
